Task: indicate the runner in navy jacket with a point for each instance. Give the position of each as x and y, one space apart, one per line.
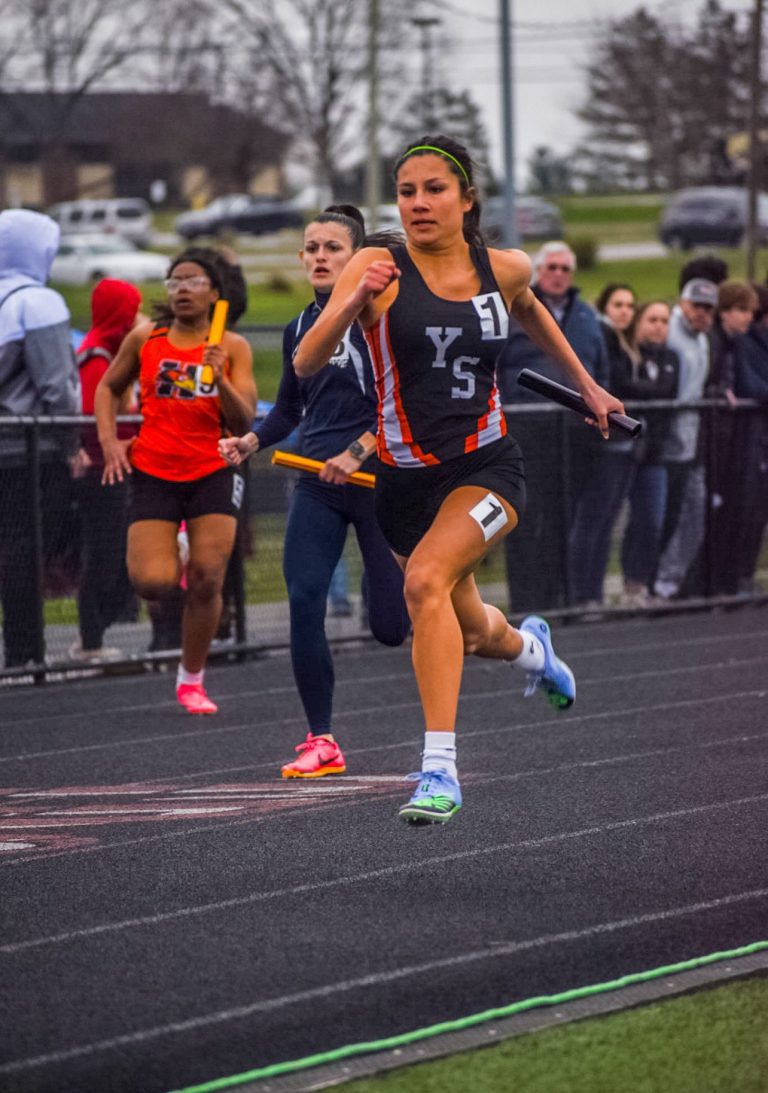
337 413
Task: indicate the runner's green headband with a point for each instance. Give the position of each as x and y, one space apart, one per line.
440 152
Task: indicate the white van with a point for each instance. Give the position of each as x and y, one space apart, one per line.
129 217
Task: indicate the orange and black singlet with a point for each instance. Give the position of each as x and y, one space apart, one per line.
434 362
182 412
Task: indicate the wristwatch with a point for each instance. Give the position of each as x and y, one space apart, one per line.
357 450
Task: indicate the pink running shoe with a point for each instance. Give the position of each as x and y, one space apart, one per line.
194 699
317 757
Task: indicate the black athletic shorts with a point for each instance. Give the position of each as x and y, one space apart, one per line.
408 499
154 498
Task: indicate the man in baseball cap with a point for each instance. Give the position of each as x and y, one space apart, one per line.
702 294
683 530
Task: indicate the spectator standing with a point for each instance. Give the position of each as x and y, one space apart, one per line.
653 373
751 381
726 441
104 588
707 267
38 375
537 555
683 528
602 494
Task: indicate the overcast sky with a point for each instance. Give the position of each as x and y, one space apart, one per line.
552 44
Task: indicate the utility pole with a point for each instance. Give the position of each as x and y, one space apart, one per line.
510 237
373 173
425 24
755 81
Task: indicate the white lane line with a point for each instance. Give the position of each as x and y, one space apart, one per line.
396 870
376 979
471 666
368 709
202 830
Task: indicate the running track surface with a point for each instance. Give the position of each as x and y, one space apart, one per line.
173 912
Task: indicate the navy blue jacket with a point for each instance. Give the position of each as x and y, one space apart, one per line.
751 380
582 330
335 406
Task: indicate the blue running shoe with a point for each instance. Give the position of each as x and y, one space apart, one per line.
555 678
437 798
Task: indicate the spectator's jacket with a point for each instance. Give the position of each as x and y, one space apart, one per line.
581 327
722 362
693 351
655 375
38 374
114 305
751 379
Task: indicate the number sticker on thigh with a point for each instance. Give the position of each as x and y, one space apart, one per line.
489 515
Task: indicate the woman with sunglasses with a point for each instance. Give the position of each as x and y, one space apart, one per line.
450 484
190 394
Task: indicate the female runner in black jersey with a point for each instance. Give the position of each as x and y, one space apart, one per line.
451 483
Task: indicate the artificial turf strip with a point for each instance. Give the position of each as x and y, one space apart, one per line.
713 1041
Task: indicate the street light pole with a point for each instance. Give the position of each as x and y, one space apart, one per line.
510 236
753 228
373 174
425 24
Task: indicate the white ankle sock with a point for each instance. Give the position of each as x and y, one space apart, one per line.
183 676
439 752
531 659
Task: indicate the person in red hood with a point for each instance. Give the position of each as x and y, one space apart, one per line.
104 586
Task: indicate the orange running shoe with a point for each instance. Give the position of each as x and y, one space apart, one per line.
194 699
317 756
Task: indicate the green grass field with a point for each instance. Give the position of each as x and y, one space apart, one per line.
714 1041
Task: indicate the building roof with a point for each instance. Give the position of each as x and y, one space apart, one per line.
182 127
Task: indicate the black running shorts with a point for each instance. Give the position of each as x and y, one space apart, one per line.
408 499
154 498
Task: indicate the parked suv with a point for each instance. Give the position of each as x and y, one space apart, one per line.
239 213
710 215
129 217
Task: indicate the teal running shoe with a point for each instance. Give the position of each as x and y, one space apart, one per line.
437 798
555 678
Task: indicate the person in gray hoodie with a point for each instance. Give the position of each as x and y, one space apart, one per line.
38 375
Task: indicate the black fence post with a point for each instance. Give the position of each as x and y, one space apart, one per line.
566 510
32 442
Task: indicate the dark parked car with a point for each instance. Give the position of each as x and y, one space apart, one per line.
239 213
710 215
536 219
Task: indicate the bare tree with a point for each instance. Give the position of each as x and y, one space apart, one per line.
663 98
307 69
61 50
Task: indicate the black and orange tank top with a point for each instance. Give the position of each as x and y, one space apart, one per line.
434 362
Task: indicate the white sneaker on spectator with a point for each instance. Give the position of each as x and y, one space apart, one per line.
104 652
666 589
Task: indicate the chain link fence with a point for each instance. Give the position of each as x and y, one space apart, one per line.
53 524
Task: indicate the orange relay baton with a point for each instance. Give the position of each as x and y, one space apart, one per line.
218 322
301 463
